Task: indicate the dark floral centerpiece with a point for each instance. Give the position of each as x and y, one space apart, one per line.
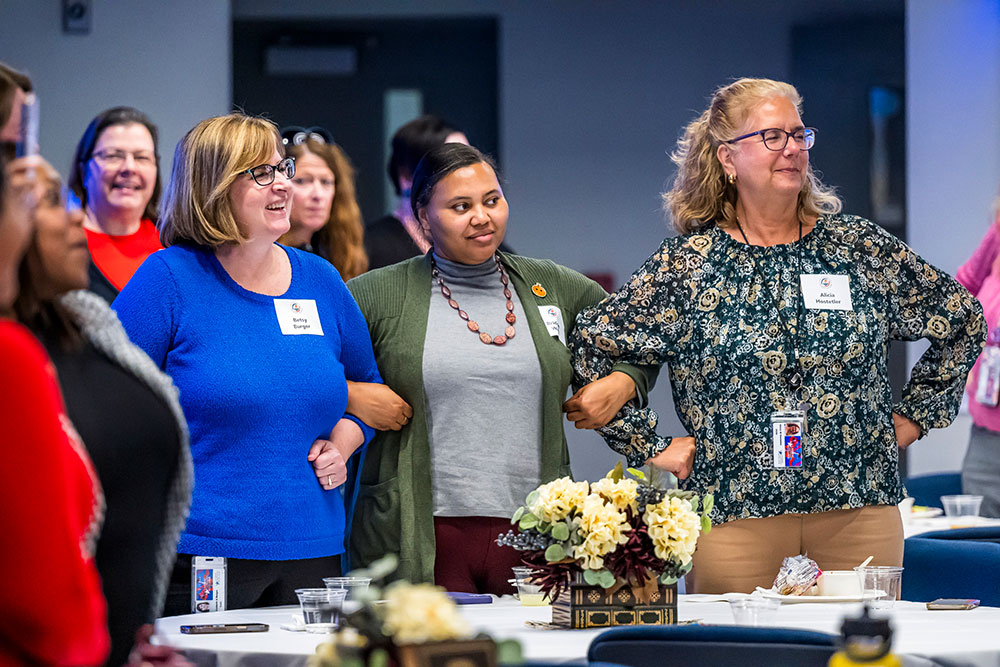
615 544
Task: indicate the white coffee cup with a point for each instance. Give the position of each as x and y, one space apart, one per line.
839 582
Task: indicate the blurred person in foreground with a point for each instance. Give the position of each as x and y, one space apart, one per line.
771 307
325 218
126 412
473 339
259 338
116 177
53 610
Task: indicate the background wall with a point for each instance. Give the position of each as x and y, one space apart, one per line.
593 96
953 155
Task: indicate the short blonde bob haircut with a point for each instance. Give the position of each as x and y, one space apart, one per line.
701 195
210 157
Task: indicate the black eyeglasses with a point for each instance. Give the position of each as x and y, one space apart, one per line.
294 135
775 139
263 174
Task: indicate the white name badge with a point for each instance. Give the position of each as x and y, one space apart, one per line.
552 317
298 317
826 291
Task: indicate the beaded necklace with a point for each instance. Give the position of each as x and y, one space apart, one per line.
472 324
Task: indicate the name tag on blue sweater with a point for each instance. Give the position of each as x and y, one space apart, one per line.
298 317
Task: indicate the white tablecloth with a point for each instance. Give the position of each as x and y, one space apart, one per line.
968 638
913 527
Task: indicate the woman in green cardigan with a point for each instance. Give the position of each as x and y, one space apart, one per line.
474 340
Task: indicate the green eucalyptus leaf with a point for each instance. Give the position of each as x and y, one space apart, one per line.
532 498
666 579
706 523
694 504
383 567
379 657
560 530
617 472
607 580
638 474
518 514
708 503
591 577
555 552
527 521
687 567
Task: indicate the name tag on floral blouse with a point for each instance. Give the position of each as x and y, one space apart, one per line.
826 291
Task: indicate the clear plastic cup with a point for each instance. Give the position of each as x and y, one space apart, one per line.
756 612
529 593
882 584
961 505
353 585
321 607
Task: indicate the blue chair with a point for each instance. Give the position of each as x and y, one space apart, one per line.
942 567
977 534
696 645
927 489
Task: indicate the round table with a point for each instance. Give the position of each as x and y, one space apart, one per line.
967 638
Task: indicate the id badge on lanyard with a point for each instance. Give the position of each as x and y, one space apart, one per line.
787 433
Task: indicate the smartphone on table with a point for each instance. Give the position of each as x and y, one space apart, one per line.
953 603
223 628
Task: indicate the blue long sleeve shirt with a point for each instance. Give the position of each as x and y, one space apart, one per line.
255 398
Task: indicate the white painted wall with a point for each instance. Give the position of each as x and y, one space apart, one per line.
953 155
168 59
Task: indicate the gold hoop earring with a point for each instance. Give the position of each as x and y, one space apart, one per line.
731 178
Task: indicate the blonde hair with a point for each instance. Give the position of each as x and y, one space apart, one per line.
341 239
207 161
701 193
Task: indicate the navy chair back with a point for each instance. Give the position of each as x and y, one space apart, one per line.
951 568
697 645
977 534
927 489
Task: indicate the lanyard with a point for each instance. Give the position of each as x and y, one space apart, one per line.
794 379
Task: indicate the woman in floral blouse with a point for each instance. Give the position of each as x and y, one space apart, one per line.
773 312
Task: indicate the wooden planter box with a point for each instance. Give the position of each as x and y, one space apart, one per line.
585 606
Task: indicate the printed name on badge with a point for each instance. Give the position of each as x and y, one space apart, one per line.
298 317
826 291
552 317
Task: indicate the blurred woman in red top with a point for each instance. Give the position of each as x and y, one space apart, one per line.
115 175
53 609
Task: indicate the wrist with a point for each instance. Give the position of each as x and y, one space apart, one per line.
623 384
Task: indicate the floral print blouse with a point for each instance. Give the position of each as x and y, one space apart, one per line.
728 321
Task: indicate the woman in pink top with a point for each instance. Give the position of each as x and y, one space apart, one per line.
981 468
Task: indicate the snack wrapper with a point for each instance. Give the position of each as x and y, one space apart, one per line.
798 574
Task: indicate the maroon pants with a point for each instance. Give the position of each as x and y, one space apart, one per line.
468 559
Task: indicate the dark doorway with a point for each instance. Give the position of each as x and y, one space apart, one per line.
857 104
337 74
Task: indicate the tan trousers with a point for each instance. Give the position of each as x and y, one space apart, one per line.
740 555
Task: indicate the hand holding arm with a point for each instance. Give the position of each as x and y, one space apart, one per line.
596 403
378 406
329 457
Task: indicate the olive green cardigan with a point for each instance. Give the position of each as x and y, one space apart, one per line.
394 511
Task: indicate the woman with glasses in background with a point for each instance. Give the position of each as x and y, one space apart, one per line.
116 177
774 312
326 218
259 338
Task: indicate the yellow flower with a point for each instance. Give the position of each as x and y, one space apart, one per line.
602 528
418 613
621 494
558 498
674 528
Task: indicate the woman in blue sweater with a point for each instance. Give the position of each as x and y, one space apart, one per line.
260 339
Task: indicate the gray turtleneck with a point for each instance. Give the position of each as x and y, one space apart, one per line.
484 401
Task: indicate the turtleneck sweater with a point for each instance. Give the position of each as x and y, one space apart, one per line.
483 401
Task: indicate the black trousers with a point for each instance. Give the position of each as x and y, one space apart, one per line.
253 583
